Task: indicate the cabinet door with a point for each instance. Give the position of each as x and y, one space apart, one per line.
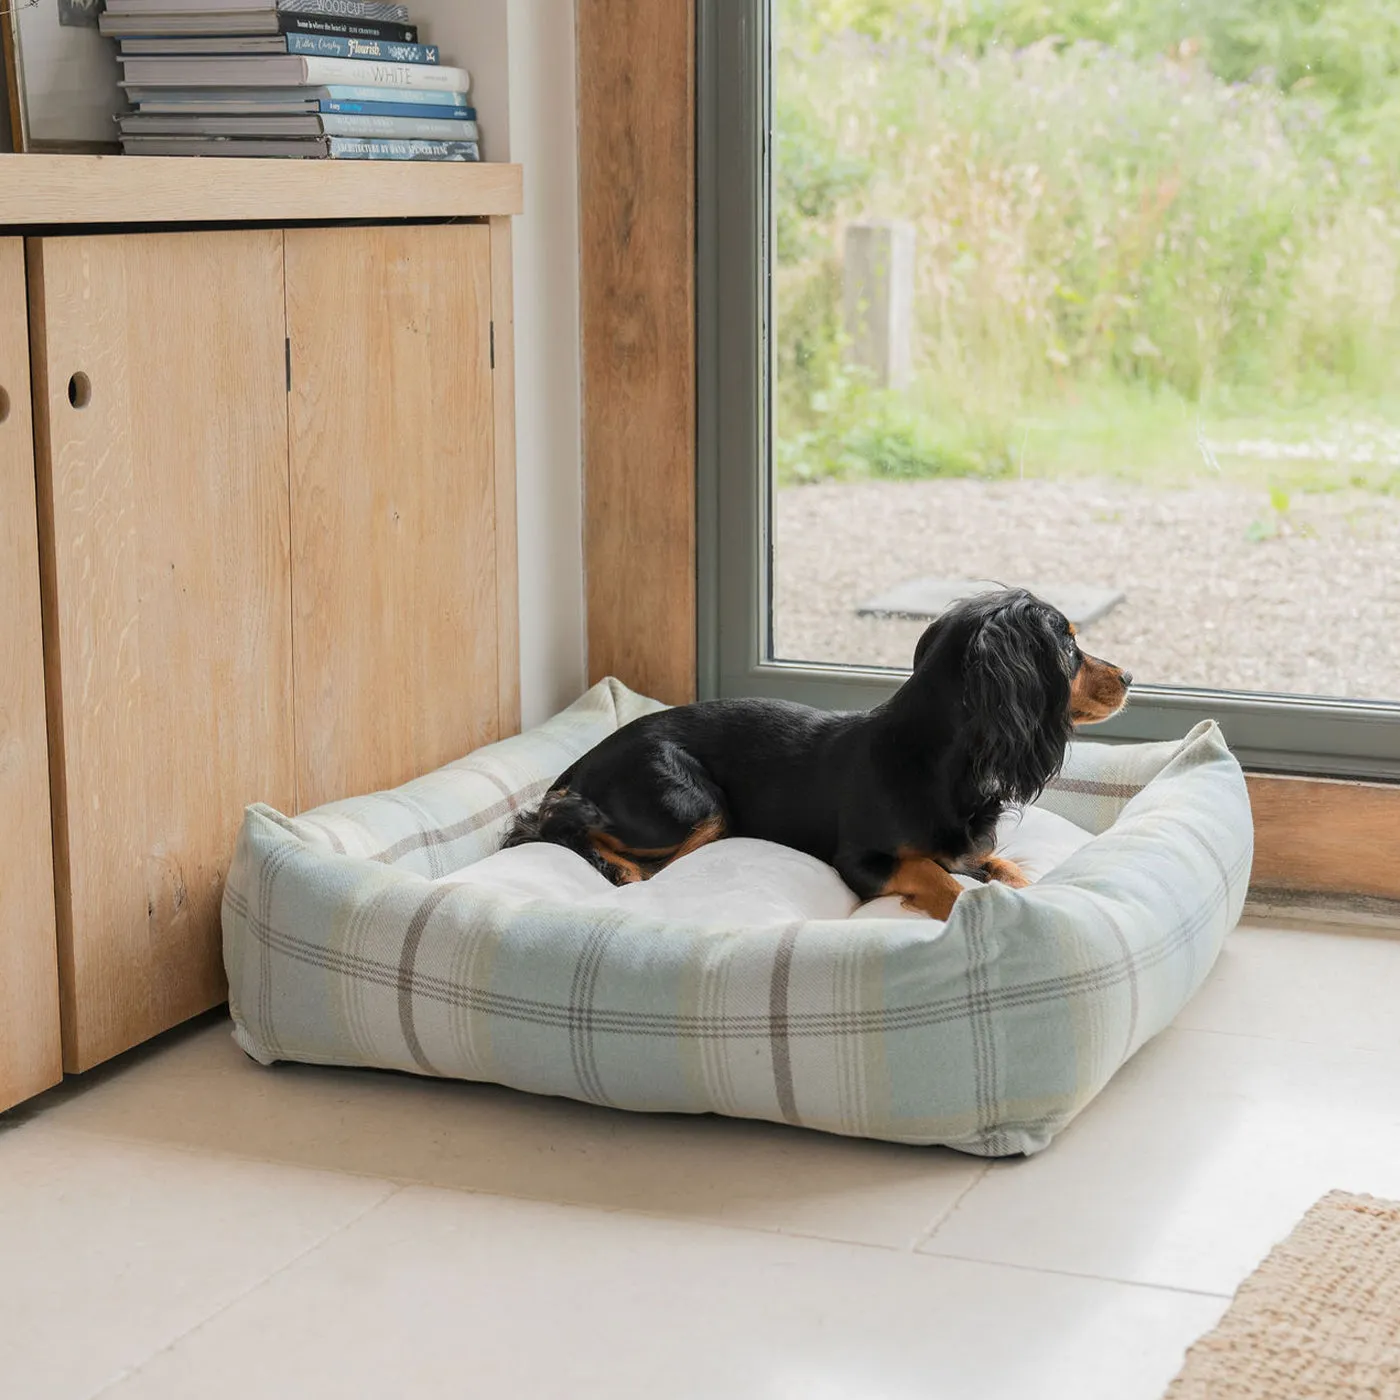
160 384
29 1053
393 503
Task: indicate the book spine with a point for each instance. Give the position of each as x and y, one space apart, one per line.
349 9
400 128
322 72
353 148
340 92
343 46
346 27
432 111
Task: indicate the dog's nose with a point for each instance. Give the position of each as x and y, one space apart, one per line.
1126 677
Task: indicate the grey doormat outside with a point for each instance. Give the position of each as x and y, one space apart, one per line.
1318 1320
1082 603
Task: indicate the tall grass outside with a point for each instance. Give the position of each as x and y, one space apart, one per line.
1156 242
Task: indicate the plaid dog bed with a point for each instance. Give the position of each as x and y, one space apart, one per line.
987 1033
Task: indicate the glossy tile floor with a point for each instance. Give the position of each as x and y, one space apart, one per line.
186 1224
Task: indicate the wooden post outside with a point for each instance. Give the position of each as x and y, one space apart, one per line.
879 299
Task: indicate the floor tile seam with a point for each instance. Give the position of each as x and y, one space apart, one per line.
1309 1043
694 1222
401 1183
131 1372
226 1154
952 1207
1046 1270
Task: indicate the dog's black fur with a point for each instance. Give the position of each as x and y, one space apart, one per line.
981 724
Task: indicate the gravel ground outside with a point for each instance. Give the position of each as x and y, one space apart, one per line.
1314 608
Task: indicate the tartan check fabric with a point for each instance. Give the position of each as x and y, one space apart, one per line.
987 1034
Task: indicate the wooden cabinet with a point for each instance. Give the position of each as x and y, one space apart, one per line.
275 549
160 381
393 503
29 1037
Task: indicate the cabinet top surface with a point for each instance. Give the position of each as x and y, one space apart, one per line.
81 189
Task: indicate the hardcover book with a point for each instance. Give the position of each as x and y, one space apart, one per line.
253 23
314 45
255 99
344 46
296 124
290 70
313 148
352 9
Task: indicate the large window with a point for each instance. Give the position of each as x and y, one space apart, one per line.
1099 297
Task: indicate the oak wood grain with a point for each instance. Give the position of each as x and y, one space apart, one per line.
396 608
30 1058
165 536
65 189
507 565
637 232
1325 837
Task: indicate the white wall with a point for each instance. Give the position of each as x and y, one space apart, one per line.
69 77
472 34
544 140
520 54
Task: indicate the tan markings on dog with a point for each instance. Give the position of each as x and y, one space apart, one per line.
711 829
1096 692
642 862
1005 872
607 839
924 885
628 871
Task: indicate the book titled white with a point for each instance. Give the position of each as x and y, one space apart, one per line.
289 70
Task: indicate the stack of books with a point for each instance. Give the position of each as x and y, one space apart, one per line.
329 79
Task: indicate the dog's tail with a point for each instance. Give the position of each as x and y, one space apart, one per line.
565 819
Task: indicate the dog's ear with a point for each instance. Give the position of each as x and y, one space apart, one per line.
1016 692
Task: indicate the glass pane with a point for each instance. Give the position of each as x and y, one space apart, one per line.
1101 297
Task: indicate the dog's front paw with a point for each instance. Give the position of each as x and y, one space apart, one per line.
1005 872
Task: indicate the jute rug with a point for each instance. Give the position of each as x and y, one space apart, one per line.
1318 1320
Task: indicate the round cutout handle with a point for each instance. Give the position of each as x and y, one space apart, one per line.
80 390
4 403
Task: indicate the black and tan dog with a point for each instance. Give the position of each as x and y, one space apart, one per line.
897 798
